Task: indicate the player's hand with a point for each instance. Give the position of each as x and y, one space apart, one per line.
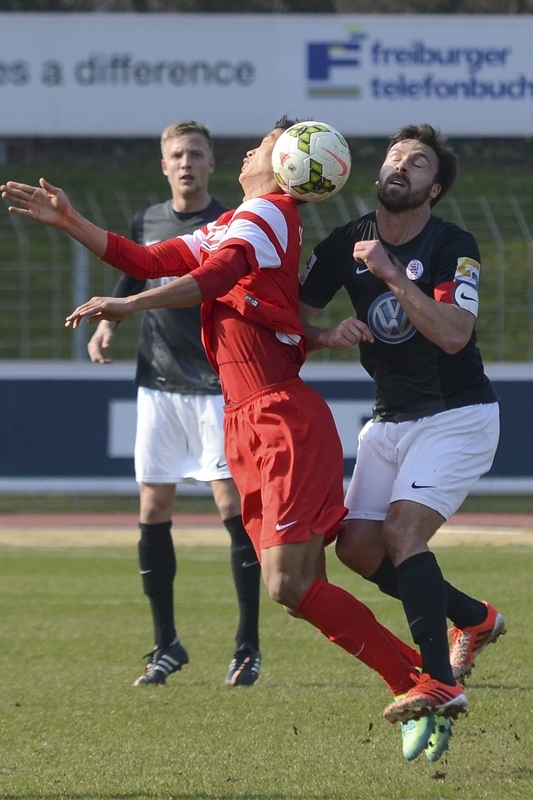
100 341
98 308
44 203
373 255
347 333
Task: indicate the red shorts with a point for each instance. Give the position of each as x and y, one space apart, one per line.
285 456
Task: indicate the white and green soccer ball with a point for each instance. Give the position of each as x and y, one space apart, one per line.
311 161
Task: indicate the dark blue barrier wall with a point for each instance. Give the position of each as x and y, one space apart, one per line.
59 428
69 427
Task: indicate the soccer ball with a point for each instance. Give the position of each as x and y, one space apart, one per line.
311 161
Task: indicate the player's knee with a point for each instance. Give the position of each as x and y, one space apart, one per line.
226 498
228 506
394 535
284 589
157 503
228 509
346 553
356 557
277 589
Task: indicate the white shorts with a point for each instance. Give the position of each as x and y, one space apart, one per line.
179 438
434 461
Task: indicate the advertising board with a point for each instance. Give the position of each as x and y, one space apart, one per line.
133 74
70 428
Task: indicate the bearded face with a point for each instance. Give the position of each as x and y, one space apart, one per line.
407 179
396 193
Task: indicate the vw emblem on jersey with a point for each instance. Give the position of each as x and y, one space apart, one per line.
388 321
414 269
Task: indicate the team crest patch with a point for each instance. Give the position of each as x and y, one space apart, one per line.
414 270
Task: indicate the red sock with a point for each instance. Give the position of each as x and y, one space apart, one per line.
409 653
350 624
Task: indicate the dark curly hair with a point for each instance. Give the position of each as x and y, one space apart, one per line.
447 170
285 122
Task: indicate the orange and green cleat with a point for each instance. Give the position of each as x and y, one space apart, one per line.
439 741
428 697
467 643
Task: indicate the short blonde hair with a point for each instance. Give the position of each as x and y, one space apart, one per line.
187 126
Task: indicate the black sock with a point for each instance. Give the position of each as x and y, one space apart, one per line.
423 593
461 609
464 610
386 579
247 576
157 560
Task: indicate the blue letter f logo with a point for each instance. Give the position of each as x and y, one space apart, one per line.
322 56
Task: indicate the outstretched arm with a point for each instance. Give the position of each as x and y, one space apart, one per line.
181 293
50 205
213 279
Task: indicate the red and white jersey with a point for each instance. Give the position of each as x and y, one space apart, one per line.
252 334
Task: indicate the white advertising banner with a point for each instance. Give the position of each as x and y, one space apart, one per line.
132 74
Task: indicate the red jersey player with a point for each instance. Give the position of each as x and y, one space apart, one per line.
282 445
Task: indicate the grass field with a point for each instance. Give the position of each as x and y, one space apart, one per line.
74 625
129 504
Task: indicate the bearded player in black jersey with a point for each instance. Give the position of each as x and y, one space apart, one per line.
179 418
413 281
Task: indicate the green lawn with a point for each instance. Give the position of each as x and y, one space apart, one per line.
125 504
74 625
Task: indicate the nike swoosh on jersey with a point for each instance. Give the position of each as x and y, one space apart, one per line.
360 270
286 525
145 571
416 485
151 241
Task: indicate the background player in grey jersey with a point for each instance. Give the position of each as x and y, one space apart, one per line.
413 281
179 418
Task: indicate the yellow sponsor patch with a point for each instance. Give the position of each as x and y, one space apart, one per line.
468 271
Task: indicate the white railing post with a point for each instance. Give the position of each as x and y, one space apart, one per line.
526 233
80 294
500 302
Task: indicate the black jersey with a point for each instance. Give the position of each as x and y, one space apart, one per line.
414 377
171 356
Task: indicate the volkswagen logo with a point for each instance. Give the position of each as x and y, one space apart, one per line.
388 321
